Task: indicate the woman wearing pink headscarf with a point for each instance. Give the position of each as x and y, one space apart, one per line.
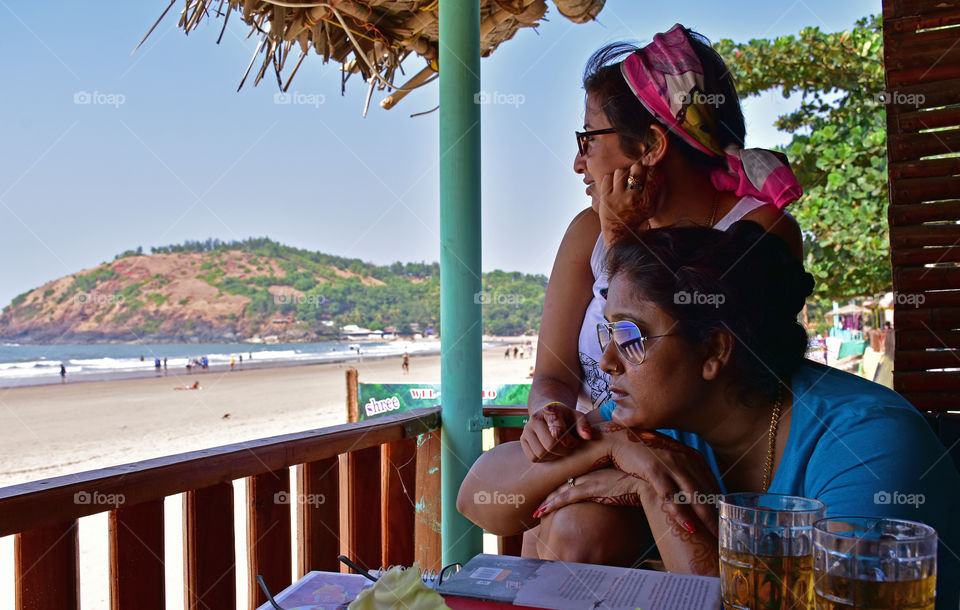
662 144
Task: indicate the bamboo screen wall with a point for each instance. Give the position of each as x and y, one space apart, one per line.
922 55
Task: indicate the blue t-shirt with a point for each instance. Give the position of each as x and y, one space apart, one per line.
862 449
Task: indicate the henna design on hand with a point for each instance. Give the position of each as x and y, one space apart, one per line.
627 499
602 462
607 427
705 558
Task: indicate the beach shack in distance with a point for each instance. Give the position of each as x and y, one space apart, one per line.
420 456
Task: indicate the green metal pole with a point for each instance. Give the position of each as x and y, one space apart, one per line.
460 326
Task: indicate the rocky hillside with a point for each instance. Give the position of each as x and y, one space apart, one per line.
224 292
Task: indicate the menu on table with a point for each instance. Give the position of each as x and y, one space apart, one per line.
573 586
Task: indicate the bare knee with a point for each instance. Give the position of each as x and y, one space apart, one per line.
593 533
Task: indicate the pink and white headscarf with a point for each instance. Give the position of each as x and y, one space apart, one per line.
667 78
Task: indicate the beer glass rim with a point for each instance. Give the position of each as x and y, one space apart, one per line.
925 532
739 500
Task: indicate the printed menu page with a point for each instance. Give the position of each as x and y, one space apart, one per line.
573 586
320 591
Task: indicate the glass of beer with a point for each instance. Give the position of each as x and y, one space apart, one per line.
766 551
866 562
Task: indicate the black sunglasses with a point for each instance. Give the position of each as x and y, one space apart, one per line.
630 341
582 136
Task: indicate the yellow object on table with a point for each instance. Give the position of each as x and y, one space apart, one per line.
399 588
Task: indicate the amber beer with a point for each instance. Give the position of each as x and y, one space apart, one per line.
766 551
763 581
867 562
897 595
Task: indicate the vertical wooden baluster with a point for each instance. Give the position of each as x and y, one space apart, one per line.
353 397
268 533
318 531
508 545
136 557
47 568
362 542
210 579
427 527
397 495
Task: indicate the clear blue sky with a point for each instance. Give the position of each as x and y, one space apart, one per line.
187 157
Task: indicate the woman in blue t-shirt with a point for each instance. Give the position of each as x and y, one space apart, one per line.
712 394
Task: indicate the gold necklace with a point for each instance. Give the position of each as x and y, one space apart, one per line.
713 212
772 442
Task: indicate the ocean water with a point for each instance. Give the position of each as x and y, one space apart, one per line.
40 364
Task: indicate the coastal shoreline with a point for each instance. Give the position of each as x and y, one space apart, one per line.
62 429
421 347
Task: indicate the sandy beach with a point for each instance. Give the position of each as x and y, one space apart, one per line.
53 430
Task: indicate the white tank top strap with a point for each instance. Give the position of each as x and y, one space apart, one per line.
598 258
743 207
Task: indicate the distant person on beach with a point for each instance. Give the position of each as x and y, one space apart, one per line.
241 360
506 354
522 352
650 158
63 374
156 364
515 351
195 386
406 363
232 362
164 364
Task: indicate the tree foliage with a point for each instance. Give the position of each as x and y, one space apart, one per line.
405 297
838 149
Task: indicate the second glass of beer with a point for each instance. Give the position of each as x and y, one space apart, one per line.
766 551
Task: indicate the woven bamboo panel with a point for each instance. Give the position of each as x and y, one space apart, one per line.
922 58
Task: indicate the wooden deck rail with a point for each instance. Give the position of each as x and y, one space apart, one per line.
347 478
504 432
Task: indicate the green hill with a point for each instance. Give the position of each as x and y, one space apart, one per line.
233 291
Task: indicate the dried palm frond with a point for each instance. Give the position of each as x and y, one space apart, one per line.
367 37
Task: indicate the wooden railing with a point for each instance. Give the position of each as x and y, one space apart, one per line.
507 427
369 490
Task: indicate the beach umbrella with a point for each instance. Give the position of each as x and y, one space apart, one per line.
372 38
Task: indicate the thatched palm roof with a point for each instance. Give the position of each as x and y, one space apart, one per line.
371 37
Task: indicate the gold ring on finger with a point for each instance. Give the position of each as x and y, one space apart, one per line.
572 481
633 183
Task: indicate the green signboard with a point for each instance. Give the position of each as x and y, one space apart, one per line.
377 399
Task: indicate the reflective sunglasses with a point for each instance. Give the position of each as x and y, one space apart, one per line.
630 341
583 141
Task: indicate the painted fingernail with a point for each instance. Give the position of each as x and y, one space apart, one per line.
689 527
537 513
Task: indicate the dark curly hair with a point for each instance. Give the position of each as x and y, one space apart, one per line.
743 281
602 78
